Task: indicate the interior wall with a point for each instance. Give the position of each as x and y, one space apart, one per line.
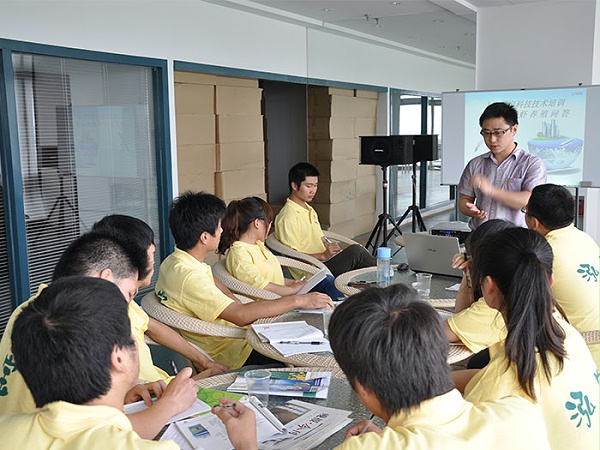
284 109
534 45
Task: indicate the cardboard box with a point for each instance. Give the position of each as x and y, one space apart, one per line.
326 91
364 224
240 155
194 99
342 106
339 170
365 204
364 126
194 129
239 183
334 213
330 128
344 228
239 128
366 94
235 81
196 159
238 100
335 192
366 185
194 77
332 149
365 170
196 183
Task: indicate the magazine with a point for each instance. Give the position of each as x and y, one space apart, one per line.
291 384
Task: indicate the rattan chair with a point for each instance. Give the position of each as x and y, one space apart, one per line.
235 285
591 337
155 309
281 249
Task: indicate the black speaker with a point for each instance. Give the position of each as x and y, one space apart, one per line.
386 150
425 147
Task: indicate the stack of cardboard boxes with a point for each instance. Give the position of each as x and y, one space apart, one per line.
220 144
345 200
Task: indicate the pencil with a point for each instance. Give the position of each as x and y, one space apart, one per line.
367 424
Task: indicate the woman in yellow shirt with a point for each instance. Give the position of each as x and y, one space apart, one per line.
543 358
245 226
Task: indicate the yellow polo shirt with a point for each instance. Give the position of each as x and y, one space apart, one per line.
67 426
478 326
139 325
448 422
299 228
254 264
15 396
186 285
575 269
569 403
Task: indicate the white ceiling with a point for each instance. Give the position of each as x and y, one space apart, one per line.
442 28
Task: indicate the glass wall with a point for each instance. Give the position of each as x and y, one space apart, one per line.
84 144
413 113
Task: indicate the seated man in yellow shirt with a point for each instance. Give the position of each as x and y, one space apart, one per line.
90 255
186 284
297 226
80 387
392 348
137 239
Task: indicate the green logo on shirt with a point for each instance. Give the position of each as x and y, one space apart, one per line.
588 272
582 408
7 368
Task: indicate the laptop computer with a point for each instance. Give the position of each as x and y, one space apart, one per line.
430 253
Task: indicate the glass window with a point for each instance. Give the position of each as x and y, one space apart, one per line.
87 148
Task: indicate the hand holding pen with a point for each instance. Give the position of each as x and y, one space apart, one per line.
363 427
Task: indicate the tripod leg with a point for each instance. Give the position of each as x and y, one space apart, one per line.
420 220
375 234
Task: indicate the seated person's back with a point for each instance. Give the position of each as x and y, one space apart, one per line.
80 387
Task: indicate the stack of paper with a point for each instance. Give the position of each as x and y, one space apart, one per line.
291 384
292 338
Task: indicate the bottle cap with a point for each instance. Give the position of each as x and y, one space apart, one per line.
384 252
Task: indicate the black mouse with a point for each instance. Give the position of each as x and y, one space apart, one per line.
402 267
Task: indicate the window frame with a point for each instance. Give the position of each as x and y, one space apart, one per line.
10 151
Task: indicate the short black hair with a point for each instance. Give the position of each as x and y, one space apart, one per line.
393 344
91 253
134 235
193 213
552 205
63 340
298 173
500 109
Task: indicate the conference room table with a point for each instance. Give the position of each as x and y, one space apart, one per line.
440 298
340 396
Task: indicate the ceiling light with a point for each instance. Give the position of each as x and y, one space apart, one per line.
327 9
395 3
438 21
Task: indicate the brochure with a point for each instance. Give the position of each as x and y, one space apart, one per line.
291 384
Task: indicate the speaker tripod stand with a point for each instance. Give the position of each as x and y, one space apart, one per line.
380 232
416 214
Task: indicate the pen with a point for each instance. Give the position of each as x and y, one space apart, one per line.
303 342
230 405
327 239
367 424
468 272
303 277
173 367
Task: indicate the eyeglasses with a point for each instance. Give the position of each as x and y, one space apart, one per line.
526 212
496 133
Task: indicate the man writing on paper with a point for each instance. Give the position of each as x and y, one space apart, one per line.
496 185
392 348
297 226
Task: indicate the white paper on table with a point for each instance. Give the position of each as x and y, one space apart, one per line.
454 287
198 407
172 433
287 331
297 348
216 438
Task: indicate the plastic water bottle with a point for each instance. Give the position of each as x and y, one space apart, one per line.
384 256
